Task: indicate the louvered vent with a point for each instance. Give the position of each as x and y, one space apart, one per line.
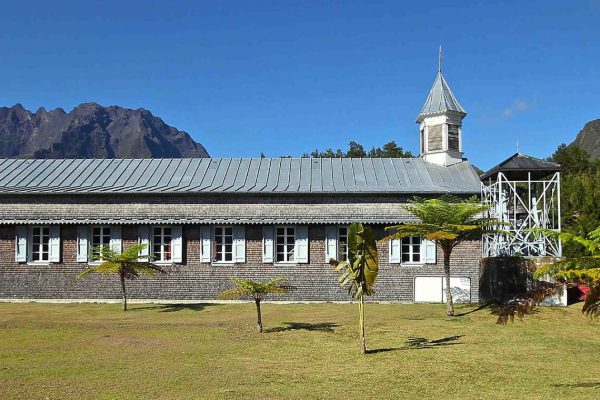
453 142
435 138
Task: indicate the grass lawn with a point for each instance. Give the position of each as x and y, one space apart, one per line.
73 351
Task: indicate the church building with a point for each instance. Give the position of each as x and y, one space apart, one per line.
206 220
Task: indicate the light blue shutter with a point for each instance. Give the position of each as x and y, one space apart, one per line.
21 244
239 243
395 256
428 251
176 244
302 244
331 243
82 243
268 236
205 243
144 238
54 245
115 238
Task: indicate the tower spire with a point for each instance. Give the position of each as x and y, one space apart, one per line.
440 60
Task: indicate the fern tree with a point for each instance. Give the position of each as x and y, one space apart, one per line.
578 270
359 273
256 291
125 265
447 221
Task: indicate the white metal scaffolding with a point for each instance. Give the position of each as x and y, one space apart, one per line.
522 205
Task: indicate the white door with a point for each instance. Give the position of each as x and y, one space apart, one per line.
432 289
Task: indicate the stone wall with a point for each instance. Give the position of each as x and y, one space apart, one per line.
503 278
193 280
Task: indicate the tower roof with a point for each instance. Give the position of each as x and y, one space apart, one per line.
440 99
520 166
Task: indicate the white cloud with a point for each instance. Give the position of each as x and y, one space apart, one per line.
518 106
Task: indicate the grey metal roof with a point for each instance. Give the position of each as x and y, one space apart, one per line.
519 166
235 175
440 99
142 212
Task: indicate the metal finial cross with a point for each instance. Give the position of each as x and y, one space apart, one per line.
440 60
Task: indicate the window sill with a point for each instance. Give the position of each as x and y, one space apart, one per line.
223 263
39 263
408 264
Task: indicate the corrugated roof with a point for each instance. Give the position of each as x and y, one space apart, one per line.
440 99
235 175
518 166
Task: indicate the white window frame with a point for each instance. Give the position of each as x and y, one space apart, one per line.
161 259
411 253
30 245
286 250
102 228
339 242
215 245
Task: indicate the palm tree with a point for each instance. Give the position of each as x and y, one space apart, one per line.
255 290
126 265
359 273
583 270
447 221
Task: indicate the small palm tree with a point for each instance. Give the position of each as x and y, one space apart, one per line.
359 273
256 291
447 221
578 270
126 265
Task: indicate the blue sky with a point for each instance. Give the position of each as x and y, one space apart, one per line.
285 77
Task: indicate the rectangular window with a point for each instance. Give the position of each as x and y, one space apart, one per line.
342 243
161 244
285 244
223 244
453 142
434 138
100 238
40 244
411 249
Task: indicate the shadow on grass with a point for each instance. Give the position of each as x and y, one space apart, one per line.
424 343
295 326
592 385
481 307
384 350
174 307
415 343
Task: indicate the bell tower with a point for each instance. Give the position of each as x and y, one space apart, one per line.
440 124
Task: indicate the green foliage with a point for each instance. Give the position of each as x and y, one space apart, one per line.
580 195
254 289
357 150
359 274
447 221
584 269
125 265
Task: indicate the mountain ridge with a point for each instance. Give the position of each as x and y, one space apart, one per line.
91 130
588 138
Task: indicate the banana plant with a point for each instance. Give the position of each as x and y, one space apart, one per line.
358 274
